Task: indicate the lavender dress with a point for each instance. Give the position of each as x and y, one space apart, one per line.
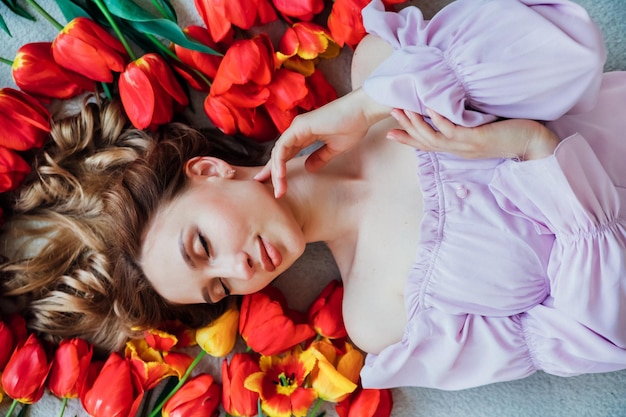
521 265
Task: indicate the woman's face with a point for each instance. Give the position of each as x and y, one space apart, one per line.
222 235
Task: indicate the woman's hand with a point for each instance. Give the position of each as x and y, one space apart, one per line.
513 138
340 125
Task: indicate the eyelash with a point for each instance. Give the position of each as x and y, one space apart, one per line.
205 245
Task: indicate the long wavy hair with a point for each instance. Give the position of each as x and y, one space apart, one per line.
72 241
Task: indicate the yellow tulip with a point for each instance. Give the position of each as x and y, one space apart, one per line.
218 338
336 375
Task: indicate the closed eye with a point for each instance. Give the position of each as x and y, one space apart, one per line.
204 244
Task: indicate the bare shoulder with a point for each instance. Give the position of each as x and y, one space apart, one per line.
369 53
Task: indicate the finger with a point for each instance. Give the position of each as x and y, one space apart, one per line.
320 157
401 136
265 173
445 126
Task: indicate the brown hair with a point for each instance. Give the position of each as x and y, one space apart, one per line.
75 235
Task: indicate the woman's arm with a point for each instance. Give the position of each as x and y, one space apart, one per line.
514 138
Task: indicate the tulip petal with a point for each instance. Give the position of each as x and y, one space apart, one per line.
137 96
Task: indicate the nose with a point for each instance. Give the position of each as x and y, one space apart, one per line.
237 266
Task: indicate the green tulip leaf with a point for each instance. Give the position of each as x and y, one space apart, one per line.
166 9
171 31
71 9
17 9
4 26
143 21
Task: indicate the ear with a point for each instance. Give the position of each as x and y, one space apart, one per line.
208 166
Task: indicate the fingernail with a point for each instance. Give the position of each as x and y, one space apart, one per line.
391 136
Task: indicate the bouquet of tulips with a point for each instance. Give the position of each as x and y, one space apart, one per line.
293 363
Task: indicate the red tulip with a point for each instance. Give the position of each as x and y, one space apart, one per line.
85 47
248 61
302 9
366 403
325 312
237 400
169 335
25 374
251 122
150 93
70 367
320 92
198 397
13 169
263 314
219 15
287 89
202 62
36 73
346 23
116 391
7 344
24 122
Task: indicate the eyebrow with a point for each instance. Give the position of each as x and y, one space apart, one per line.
183 252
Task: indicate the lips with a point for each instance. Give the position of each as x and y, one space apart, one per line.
270 256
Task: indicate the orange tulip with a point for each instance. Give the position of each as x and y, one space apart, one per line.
200 396
346 23
169 335
25 374
70 366
219 337
36 73
24 122
116 391
150 92
302 9
85 47
320 92
13 169
280 383
366 403
7 344
337 373
325 312
237 400
148 364
219 16
264 313
307 41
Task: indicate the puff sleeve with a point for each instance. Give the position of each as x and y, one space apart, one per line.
571 196
478 58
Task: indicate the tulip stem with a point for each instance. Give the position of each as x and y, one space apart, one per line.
63 405
115 28
182 381
6 61
45 14
316 407
13 405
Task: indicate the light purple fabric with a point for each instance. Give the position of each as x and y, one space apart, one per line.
510 58
521 265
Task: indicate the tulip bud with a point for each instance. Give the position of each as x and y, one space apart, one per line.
13 169
336 373
150 92
198 397
218 338
24 122
116 391
366 403
237 399
302 9
346 23
7 344
70 368
85 47
36 72
25 374
325 312
264 313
